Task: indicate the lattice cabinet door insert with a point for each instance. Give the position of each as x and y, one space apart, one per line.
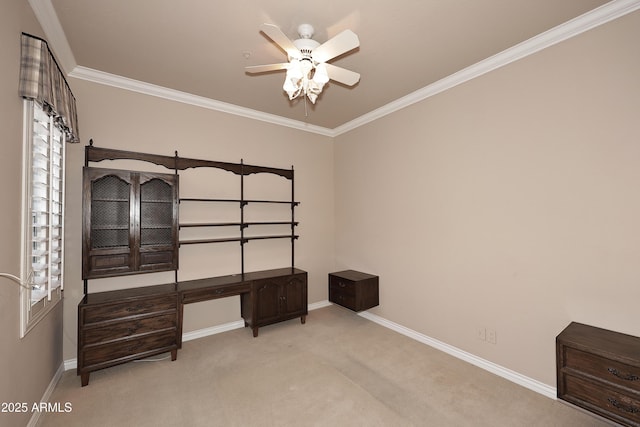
130 222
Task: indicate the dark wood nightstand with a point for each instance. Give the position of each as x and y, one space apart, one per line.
353 289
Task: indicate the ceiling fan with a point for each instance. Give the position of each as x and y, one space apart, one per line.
308 69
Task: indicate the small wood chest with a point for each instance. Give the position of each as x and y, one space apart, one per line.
353 289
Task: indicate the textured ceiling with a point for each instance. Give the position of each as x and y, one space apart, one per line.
201 46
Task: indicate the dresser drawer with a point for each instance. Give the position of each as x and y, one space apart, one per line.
120 330
602 368
340 286
599 370
133 307
129 349
196 295
344 300
607 401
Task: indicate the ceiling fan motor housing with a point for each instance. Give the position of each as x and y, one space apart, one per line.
308 72
306 46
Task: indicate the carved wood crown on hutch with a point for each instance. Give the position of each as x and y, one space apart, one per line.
98 154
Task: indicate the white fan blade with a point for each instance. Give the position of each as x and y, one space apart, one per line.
276 34
265 68
342 75
336 46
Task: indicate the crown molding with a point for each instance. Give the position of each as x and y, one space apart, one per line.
572 28
48 19
126 83
57 40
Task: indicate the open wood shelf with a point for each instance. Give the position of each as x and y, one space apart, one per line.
210 224
238 239
155 202
242 201
236 224
201 241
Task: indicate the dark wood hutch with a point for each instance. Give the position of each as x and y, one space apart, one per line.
131 226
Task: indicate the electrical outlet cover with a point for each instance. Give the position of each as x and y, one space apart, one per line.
482 334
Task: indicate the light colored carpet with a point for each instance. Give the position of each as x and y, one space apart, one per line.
338 369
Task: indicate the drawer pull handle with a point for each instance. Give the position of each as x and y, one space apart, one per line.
342 285
628 377
219 291
626 408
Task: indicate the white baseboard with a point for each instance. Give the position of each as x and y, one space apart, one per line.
320 304
35 415
501 371
70 364
201 333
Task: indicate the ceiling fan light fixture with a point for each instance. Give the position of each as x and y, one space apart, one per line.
289 86
299 80
312 89
307 71
320 75
294 70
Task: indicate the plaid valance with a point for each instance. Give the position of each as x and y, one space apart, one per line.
42 80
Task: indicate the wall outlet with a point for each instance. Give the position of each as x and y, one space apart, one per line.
492 336
482 334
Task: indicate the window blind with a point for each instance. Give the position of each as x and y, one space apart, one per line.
47 220
44 202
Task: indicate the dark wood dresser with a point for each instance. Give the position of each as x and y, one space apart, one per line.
599 370
120 326
353 289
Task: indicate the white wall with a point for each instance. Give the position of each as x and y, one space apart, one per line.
509 202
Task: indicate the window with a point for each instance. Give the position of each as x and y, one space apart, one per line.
43 215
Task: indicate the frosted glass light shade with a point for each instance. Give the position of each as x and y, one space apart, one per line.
320 76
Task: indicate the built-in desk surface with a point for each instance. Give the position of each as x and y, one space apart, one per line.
278 301
223 286
123 325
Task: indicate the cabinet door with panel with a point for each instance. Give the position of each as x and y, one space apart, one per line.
158 222
108 218
268 296
130 222
294 296
275 299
